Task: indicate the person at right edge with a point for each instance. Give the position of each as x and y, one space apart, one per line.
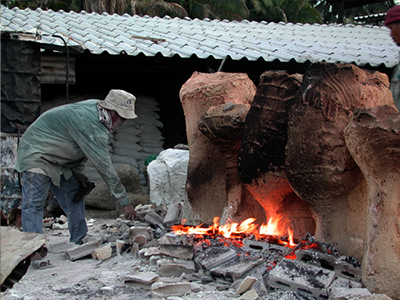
392 21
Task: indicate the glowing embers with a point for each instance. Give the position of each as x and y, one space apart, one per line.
271 232
230 251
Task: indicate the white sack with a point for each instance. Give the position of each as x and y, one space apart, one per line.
167 176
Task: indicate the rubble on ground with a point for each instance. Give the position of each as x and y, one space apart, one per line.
122 259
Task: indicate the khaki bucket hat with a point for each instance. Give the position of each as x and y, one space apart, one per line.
120 101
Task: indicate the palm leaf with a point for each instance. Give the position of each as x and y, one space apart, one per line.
221 9
162 8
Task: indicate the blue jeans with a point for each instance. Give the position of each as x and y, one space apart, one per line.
35 189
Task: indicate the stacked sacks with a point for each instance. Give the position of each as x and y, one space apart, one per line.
137 139
151 139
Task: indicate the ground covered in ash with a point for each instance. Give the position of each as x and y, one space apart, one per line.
87 278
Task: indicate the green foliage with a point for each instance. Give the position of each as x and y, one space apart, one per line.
43 4
158 8
338 13
221 9
295 11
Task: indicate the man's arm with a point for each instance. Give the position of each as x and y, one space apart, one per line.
93 139
131 214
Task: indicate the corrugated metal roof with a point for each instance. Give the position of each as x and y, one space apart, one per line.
167 36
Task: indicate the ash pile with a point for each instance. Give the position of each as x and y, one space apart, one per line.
244 267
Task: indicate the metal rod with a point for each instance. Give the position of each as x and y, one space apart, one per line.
222 64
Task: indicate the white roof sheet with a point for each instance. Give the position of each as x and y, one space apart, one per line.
133 35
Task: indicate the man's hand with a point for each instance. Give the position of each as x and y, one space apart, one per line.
131 214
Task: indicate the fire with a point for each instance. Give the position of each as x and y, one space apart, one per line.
232 230
272 227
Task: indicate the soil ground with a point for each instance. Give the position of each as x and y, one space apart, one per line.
87 278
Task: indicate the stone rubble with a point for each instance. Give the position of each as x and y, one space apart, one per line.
299 276
186 266
83 250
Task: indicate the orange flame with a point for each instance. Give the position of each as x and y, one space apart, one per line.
234 230
272 227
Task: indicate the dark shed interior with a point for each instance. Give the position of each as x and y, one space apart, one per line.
159 77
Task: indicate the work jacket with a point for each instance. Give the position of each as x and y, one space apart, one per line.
63 138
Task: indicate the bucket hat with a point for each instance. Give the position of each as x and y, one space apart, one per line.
120 101
392 15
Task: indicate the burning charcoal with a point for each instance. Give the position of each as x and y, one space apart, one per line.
339 283
201 245
299 276
262 279
250 245
284 251
201 242
329 248
309 238
348 270
235 269
353 261
215 256
259 272
309 242
339 265
272 260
